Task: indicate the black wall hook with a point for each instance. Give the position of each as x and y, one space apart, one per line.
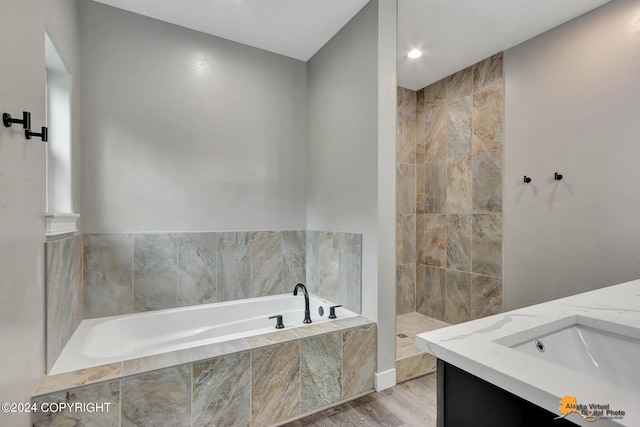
44 134
26 120
557 176
527 179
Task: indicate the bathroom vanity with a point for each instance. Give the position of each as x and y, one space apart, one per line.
571 361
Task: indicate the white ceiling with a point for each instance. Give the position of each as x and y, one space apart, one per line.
452 33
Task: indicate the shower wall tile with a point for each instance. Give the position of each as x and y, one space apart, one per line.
321 371
155 271
408 224
406 150
106 393
275 383
487 244
433 231
460 84
459 127
313 261
406 101
435 185
351 271
431 291
432 145
459 229
234 265
108 274
266 263
488 73
293 258
197 268
487 179
221 391
359 360
406 195
435 95
486 296
405 288
488 112
458 297
329 265
160 397
64 293
459 185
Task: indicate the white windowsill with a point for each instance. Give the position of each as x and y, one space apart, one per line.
58 224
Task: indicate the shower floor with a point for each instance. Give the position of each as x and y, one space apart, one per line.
411 362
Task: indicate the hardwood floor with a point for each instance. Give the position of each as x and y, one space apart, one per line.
410 404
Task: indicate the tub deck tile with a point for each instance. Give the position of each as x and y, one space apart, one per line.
156 361
352 322
271 338
218 349
73 379
315 329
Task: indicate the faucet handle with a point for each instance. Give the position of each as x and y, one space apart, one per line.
332 311
279 324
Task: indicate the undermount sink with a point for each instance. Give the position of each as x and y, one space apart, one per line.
600 349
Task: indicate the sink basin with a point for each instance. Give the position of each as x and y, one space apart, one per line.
604 350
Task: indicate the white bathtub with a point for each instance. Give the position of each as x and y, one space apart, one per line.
117 338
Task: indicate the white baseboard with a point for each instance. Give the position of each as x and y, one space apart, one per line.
385 380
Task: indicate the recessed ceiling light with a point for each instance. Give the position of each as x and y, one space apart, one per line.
414 53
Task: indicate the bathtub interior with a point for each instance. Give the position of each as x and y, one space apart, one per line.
117 338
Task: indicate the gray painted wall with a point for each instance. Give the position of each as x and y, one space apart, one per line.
183 131
22 203
571 106
342 191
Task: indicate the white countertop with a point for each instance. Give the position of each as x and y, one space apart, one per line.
470 346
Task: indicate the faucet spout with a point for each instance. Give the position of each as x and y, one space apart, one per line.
307 312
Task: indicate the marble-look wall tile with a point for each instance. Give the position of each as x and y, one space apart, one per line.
329 265
234 265
434 249
359 360
222 391
197 268
460 84
155 271
157 398
64 293
107 394
321 371
293 259
313 261
487 244
435 94
486 296
406 134
458 298
108 274
459 229
488 73
459 185
405 288
275 383
487 182
408 239
433 143
406 100
488 112
266 263
431 291
351 271
459 127
399 252
406 183
435 184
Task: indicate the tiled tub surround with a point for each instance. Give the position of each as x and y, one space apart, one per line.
449 203
64 293
128 273
258 381
116 338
